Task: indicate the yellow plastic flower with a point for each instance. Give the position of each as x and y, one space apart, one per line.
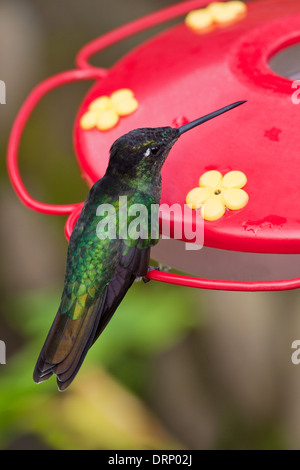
215 14
216 192
104 112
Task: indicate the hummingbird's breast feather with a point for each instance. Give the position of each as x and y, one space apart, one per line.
109 233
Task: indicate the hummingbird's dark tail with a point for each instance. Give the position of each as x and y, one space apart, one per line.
69 340
67 344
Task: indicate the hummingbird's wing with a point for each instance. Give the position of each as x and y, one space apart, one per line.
99 272
134 264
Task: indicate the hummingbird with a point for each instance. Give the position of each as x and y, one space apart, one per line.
100 269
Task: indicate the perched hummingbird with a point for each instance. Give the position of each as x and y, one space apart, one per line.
100 269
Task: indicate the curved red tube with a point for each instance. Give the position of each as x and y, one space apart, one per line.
16 133
134 27
213 284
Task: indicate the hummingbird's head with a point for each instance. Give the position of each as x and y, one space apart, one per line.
142 151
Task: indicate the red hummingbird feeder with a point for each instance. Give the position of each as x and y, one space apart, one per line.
185 72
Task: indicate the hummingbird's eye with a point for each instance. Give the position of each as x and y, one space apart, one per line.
154 150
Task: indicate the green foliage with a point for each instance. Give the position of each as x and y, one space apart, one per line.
151 318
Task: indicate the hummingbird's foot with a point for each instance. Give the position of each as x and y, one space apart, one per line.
164 268
160 267
150 268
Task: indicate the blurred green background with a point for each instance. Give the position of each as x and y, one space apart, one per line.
176 367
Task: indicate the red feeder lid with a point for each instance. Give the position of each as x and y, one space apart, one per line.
180 75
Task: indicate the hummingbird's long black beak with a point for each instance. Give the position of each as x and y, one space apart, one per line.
207 117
